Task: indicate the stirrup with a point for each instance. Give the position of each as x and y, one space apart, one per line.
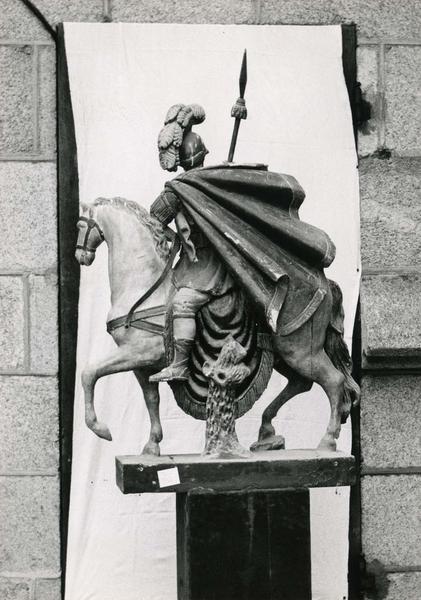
174 372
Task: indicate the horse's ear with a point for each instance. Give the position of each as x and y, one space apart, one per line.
84 206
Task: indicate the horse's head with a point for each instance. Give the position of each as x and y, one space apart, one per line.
90 236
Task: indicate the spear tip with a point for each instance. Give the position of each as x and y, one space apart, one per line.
243 74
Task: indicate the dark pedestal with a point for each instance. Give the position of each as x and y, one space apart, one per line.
252 546
243 525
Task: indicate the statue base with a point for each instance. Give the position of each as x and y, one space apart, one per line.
262 471
243 525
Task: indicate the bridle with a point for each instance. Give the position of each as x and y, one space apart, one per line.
91 224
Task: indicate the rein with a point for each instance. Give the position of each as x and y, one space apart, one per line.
135 318
175 248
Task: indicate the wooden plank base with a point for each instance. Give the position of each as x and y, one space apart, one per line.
272 470
244 546
243 525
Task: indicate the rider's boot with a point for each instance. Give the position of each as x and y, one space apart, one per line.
178 370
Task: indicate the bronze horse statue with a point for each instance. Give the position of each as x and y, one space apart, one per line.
313 351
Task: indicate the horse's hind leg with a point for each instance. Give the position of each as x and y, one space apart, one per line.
267 439
332 381
151 396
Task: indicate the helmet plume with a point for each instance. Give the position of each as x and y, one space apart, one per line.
179 120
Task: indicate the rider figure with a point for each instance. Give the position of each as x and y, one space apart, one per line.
199 275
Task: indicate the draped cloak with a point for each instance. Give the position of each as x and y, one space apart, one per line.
250 217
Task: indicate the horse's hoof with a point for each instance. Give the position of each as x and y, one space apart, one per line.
266 431
327 444
274 442
102 431
152 448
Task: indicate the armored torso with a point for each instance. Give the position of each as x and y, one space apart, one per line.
199 267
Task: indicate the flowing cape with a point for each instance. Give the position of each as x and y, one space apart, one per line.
250 217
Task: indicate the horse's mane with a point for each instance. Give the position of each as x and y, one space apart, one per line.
142 215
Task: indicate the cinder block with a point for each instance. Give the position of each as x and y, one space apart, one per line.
367 76
390 212
391 519
47 100
29 424
12 323
59 11
184 11
43 323
403 99
390 420
391 319
377 19
48 589
16 99
18 22
14 589
300 12
29 528
28 215
404 586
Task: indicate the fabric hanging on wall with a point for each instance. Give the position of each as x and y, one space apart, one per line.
123 78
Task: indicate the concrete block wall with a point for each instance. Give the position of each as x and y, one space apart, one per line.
29 424
389 64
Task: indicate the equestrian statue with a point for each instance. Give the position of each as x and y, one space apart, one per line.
248 271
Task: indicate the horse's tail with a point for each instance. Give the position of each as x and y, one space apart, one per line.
337 351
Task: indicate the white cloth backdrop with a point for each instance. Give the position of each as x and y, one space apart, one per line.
123 78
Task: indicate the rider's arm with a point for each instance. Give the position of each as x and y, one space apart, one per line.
165 207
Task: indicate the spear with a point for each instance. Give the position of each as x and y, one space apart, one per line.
239 110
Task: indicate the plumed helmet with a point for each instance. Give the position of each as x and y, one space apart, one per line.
192 151
177 144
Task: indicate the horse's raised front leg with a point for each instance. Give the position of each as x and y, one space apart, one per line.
151 396
267 439
121 359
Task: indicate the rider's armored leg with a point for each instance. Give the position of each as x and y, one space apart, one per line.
186 304
184 332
